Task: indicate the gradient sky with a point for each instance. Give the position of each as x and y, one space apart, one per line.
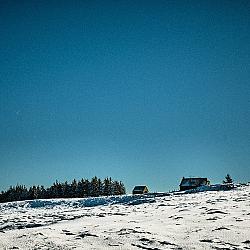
143 91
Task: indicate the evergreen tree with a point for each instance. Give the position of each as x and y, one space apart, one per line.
32 193
228 179
43 193
73 189
86 188
66 190
94 191
80 188
106 187
122 189
116 188
100 187
83 188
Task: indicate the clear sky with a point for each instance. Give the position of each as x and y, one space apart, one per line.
143 91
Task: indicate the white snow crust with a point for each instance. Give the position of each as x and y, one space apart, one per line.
181 220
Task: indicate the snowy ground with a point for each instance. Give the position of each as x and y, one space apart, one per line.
205 220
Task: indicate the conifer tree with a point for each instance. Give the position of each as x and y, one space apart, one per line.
100 187
83 188
106 187
73 190
228 179
94 187
86 188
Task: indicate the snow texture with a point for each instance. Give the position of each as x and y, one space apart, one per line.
181 220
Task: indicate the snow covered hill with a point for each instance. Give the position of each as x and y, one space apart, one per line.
203 220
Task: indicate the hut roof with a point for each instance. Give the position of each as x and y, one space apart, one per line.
193 182
139 188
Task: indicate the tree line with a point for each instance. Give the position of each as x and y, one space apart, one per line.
76 189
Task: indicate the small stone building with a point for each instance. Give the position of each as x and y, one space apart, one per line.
140 190
191 183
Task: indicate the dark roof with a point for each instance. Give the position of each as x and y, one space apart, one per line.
193 182
139 188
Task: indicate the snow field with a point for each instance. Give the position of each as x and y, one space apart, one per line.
204 220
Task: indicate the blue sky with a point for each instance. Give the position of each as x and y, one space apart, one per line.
143 91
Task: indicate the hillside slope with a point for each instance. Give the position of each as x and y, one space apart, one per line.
205 220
